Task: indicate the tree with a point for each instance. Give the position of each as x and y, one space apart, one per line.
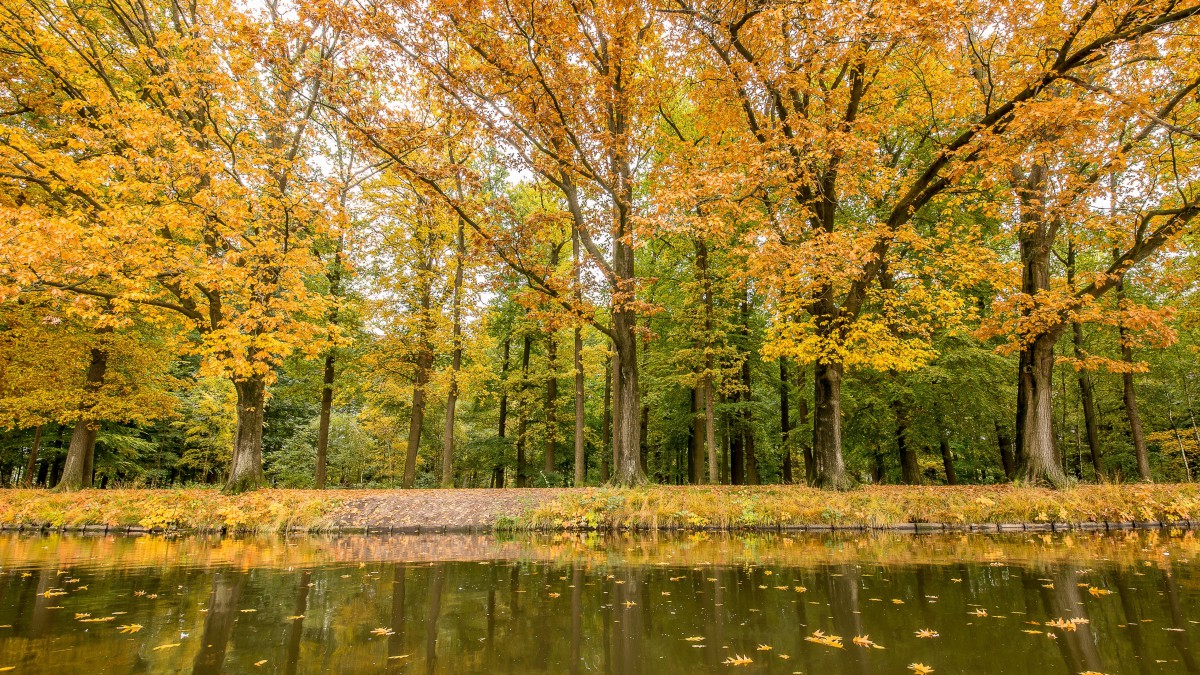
852 121
158 159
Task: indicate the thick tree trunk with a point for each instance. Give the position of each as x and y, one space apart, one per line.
31 465
77 472
710 423
1007 460
910 471
416 419
523 416
1040 462
829 465
628 404
323 424
550 466
785 424
606 451
246 471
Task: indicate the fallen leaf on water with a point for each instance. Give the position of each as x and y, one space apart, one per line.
400 656
100 619
383 631
247 611
1098 592
821 638
258 664
865 641
82 615
920 668
764 648
553 595
695 638
129 628
926 633
979 612
897 601
736 660
167 646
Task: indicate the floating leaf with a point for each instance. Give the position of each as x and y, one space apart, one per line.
129 628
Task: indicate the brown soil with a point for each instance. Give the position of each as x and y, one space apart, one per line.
457 509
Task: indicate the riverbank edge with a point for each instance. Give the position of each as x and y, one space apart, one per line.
498 528
911 509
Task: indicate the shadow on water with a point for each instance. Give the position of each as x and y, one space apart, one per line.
1121 603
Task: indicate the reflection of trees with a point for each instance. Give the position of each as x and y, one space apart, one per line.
435 610
219 621
842 581
1064 601
1133 621
1175 610
296 629
576 616
396 639
629 631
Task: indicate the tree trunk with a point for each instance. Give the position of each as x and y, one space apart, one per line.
810 465
785 425
710 423
77 472
1007 460
606 430
498 469
455 359
416 420
1040 463
323 424
1131 401
829 465
1087 400
1086 390
910 470
246 471
550 467
31 465
523 417
627 470
580 447
696 440
947 459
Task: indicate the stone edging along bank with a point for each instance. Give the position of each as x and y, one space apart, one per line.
909 528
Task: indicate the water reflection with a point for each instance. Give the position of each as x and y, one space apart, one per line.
1125 603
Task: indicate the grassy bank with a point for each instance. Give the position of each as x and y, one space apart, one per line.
651 508
732 508
192 509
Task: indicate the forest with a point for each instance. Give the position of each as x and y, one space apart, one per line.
522 243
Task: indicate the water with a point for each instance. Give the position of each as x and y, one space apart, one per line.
1123 603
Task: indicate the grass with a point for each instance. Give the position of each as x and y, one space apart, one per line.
734 508
644 508
184 509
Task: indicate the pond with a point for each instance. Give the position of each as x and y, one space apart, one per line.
1126 602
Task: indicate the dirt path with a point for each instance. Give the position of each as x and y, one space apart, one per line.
433 510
